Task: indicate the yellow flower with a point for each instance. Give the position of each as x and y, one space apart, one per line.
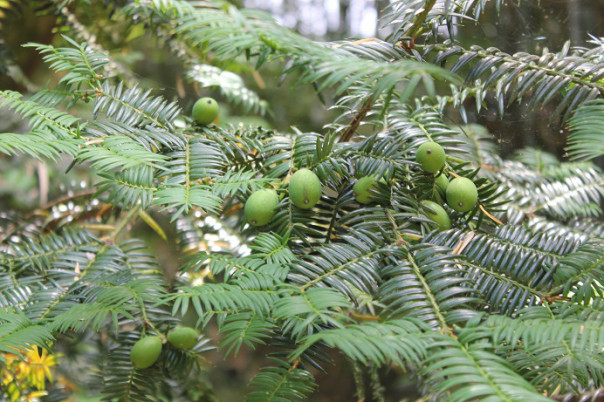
19 375
39 367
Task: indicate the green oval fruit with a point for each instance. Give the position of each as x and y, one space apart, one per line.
145 351
462 194
260 207
362 189
442 183
183 337
430 156
205 111
304 189
437 214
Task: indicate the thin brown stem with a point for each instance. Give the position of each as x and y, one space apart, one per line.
484 210
415 28
421 18
356 120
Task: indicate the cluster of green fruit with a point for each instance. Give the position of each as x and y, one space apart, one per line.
146 350
305 187
461 193
305 191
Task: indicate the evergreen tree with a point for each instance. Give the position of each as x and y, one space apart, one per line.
505 305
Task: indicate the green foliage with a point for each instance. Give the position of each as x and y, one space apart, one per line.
465 368
379 343
521 75
585 142
281 382
505 305
19 333
403 15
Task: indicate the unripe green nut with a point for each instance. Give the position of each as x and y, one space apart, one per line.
362 189
430 156
183 337
437 214
441 184
260 207
462 194
205 111
304 189
145 351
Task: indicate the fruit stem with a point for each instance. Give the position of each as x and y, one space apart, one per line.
147 323
484 210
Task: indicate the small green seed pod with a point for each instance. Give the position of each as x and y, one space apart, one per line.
362 189
183 337
205 111
260 207
462 194
430 156
441 184
145 351
437 214
304 189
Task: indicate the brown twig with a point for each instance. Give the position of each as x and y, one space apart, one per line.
412 32
96 212
66 198
356 120
421 18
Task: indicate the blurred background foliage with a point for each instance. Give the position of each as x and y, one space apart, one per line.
529 26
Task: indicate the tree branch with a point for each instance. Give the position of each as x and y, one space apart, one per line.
356 120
